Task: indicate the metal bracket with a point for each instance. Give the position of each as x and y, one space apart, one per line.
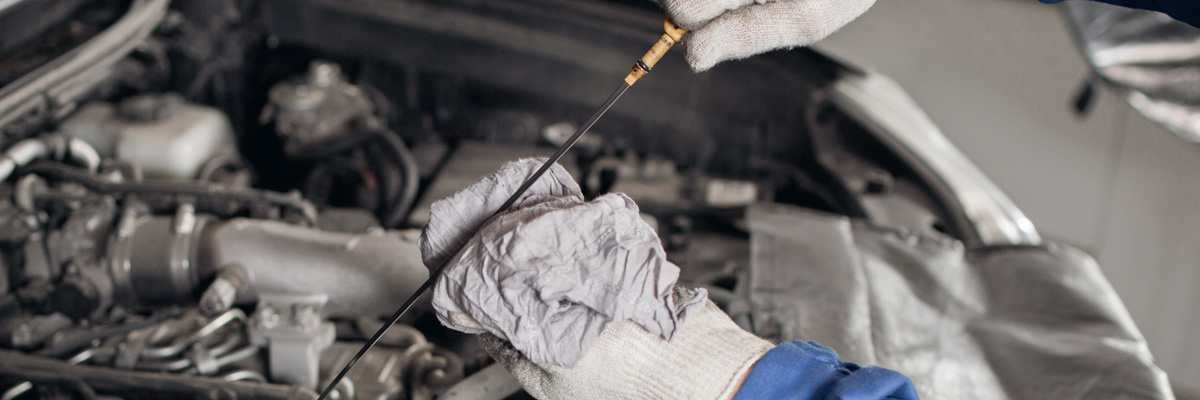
295 333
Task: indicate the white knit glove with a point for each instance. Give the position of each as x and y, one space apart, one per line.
708 359
733 29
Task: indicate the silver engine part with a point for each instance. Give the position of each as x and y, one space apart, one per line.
253 276
294 277
318 106
165 260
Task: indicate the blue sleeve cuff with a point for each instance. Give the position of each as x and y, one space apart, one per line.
807 370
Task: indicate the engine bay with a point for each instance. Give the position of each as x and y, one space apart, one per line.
227 202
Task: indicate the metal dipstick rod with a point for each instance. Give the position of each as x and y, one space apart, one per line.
643 65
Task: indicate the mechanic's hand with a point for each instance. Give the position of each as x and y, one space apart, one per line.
733 29
577 298
551 273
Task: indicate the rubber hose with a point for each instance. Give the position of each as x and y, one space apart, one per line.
200 191
411 178
394 213
385 193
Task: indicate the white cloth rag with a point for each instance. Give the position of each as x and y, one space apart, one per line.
549 275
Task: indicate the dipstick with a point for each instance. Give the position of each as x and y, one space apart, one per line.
673 34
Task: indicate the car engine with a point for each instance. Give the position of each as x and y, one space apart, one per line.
222 199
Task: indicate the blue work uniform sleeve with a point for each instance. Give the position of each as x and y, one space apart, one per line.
807 370
1187 11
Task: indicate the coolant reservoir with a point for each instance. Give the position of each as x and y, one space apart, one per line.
167 136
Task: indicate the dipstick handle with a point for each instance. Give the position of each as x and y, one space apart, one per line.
673 34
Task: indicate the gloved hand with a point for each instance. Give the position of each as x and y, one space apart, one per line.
551 273
556 278
723 30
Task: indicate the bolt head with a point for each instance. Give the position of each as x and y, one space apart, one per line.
267 316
